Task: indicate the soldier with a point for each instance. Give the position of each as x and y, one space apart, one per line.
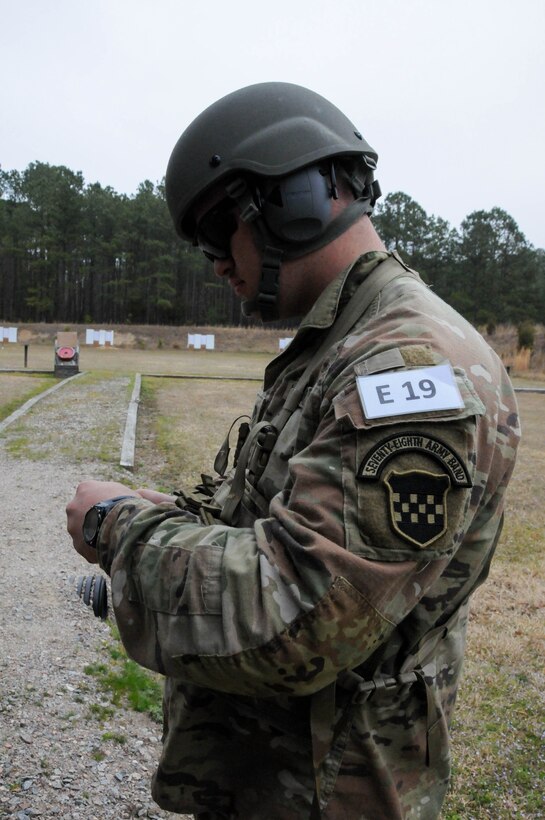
308 608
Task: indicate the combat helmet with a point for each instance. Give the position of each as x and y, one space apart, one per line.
273 144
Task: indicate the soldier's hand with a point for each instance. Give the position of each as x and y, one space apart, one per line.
154 496
87 494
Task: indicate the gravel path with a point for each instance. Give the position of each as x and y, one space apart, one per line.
54 758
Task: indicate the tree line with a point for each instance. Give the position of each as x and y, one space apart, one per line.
81 253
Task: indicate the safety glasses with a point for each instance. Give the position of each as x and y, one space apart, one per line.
215 229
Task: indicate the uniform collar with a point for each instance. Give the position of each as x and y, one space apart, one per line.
324 311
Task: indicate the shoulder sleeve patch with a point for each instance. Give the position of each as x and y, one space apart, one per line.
376 458
417 505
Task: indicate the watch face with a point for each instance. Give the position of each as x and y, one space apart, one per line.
90 526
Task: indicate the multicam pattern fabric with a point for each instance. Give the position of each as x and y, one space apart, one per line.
312 639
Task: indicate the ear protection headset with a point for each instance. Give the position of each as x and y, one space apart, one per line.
297 208
292 216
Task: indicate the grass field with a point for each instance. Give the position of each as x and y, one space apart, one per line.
18 387
499 727
130 360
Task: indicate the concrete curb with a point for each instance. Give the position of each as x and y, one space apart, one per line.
129 437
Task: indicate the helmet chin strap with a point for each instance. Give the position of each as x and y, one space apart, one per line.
275 250
266 301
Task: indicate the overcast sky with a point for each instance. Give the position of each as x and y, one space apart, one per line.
450 93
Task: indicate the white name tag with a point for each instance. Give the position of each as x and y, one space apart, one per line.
398 392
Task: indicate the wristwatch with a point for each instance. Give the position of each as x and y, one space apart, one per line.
94 517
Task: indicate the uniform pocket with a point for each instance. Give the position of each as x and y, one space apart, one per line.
184 582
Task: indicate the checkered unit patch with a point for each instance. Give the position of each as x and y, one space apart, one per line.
418 508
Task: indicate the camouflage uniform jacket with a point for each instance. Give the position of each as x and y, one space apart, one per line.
312 638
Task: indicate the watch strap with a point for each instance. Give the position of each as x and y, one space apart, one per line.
101 510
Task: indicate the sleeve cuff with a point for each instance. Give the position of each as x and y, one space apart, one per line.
123 513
